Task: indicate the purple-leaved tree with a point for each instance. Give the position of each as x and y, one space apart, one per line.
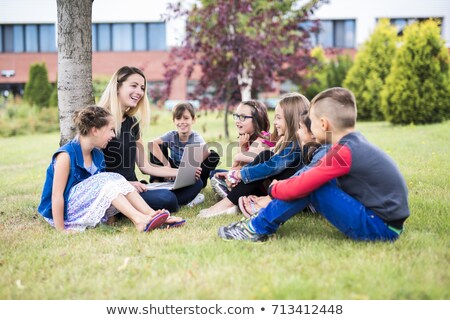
241 47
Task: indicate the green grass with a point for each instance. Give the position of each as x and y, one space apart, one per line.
309 259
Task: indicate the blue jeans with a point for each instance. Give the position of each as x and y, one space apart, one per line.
187 194
172 199
343 211
161 199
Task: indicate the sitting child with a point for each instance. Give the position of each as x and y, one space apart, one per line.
355 186
279 164
183 116
78 194
312 152
253 125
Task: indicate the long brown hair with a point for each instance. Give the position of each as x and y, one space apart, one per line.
260 119
293 106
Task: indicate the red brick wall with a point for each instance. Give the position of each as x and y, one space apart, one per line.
103 63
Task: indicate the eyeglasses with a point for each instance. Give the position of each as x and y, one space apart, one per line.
240 117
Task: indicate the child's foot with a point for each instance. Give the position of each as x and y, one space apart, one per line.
241 231
222 207
197 200
211 212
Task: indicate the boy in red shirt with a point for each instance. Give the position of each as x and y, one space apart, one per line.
356 186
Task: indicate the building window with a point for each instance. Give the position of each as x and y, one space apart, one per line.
27 38
157 36
47 41
18 42
121 37
129 36
140 36
401 23
31 38
332 33
8 39
103 37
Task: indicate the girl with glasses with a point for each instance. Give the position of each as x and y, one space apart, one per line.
253 125
285 158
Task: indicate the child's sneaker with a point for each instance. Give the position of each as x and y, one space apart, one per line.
241 231
197 200
220 187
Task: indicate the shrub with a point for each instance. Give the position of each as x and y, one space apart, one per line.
98 86
326 74
38 89
417 90
53 102
337 70
372 65
23 119
317 74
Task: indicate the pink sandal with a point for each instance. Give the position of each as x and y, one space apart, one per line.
157 221
253 209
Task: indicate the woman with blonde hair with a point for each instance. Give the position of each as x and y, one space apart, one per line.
126 98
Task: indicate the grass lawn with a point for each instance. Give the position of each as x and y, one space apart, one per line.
309 259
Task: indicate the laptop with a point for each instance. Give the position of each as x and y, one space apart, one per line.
192 158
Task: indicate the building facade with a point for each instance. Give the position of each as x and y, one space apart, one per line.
136 33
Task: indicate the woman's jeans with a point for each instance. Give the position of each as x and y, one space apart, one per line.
340 209
172 199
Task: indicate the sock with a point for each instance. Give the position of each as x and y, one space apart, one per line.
250 226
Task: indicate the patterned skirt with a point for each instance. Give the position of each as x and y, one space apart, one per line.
90 201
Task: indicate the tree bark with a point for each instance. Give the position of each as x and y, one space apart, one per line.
225 122
245 85
74 62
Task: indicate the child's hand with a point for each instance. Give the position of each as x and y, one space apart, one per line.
140 187
198 172
233 178
221 175
274 181
244 139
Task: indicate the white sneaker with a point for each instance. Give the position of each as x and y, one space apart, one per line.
219 186
197 200
208 213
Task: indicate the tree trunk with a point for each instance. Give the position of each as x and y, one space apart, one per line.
227 107
245 84
74 61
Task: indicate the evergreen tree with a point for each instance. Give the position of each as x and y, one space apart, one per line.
53 101
371 67
316 78
38 89
418 89
337 70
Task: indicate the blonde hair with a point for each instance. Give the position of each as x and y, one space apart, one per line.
110 101
294 105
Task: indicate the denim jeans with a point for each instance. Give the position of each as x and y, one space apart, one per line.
187 194
171 199
343 211
161 199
